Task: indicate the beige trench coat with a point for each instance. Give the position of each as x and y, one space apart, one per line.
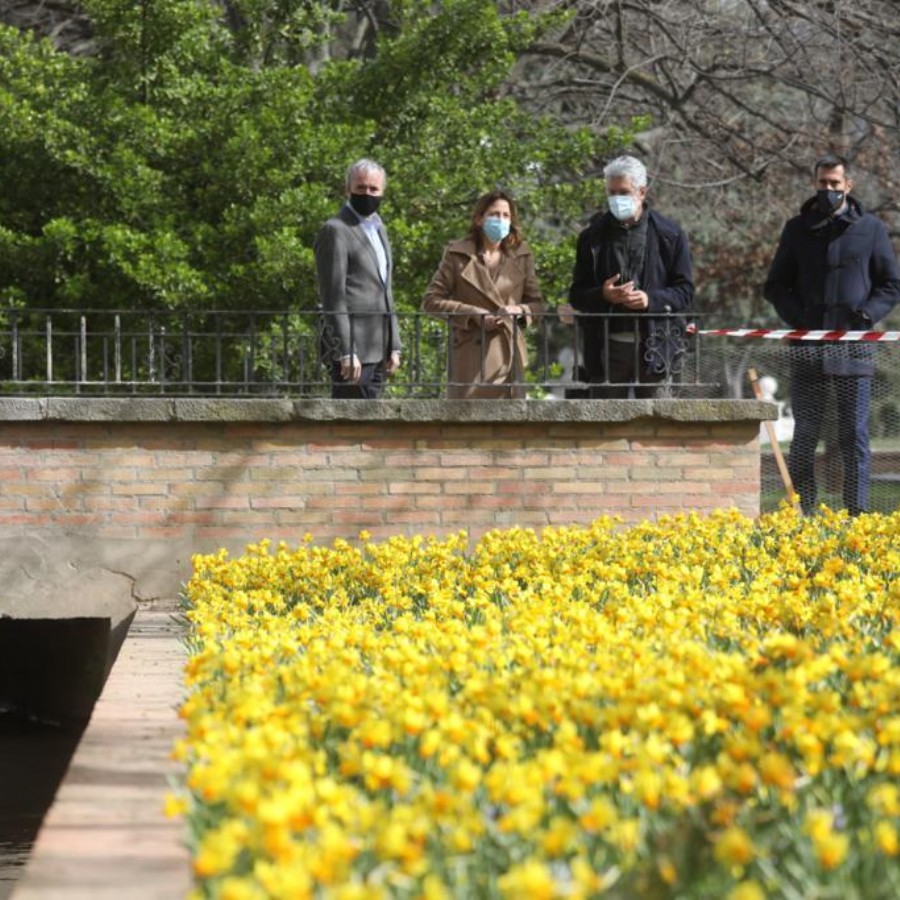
484 363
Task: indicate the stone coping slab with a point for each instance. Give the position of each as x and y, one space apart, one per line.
229 410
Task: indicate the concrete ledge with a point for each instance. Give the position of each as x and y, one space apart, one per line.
65 574
225 410
65 607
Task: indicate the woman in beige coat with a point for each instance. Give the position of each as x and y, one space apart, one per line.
486 288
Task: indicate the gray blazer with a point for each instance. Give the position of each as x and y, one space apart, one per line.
358 306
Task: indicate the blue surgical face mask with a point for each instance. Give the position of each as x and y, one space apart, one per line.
495 229
622 206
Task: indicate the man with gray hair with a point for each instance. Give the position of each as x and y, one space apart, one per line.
361 334
632 266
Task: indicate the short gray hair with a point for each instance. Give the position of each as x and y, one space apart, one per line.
363 166
627 167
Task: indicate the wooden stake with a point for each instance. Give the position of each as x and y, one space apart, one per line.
773 440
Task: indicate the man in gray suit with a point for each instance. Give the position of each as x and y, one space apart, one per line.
361 336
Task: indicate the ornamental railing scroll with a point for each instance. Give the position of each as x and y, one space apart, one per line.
277 353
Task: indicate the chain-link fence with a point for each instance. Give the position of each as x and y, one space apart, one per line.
819 386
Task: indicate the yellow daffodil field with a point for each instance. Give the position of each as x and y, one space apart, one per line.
701 707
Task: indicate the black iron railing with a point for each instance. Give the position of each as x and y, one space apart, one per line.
228 353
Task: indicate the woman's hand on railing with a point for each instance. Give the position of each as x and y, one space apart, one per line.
506 317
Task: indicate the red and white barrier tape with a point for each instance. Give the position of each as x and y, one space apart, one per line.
782 334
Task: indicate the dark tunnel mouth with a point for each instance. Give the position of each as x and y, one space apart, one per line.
51 674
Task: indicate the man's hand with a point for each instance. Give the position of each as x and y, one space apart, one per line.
351 369
616 294
637 300
393 363
624 294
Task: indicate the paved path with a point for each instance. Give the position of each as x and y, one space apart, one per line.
105 835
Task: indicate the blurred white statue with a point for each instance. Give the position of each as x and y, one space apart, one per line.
784 424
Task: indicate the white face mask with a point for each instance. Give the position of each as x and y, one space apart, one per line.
623 207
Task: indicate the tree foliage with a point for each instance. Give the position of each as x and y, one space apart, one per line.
189 159
743 95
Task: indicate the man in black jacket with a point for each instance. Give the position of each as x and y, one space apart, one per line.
834 269
631 264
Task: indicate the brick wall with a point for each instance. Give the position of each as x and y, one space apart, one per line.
209 473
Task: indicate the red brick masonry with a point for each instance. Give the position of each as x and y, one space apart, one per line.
226 471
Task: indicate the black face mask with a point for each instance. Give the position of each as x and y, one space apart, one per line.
829 202
365 204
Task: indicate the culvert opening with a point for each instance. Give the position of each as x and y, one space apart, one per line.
51 673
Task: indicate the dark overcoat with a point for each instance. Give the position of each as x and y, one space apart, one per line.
667 279
836 276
